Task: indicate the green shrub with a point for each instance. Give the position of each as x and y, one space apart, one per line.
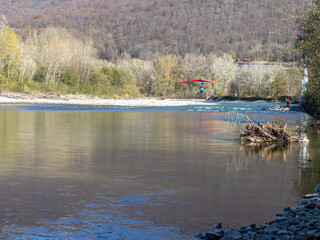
40 74
70 77
114 75
18 87
96 85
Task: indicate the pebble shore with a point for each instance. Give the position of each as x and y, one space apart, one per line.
9 97
295 223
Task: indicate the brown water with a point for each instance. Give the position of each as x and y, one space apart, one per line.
140 174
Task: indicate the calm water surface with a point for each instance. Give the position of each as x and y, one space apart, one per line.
93 172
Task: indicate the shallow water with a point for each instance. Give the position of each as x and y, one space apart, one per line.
95 172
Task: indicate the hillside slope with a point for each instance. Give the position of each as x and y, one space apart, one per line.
252 29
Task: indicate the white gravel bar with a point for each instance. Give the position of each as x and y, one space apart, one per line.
6 98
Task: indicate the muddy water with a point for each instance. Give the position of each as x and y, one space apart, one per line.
93 173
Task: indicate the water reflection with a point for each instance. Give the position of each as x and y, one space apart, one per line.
138 175
309 165
268 152
277 152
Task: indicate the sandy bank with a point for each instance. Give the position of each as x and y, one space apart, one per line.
8 97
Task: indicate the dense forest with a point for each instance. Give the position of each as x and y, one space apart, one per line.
145 29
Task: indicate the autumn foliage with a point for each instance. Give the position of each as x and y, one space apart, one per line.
54 60
246 29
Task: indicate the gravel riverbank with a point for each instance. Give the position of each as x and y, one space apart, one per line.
9 97
300 223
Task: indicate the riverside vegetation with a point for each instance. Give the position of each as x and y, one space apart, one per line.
54 60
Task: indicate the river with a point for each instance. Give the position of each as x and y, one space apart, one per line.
97 172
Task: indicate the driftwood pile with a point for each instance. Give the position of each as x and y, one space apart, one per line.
268 132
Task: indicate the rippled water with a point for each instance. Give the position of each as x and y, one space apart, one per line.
96 172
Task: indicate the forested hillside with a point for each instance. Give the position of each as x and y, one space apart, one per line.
247 29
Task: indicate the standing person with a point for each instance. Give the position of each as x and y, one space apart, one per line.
288 102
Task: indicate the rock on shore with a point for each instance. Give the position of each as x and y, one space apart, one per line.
301 223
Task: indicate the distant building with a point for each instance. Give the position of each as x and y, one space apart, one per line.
265 63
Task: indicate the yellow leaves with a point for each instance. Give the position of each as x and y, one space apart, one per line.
8 43
3 79
10 54
167 70
165 67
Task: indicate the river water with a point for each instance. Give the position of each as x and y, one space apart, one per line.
96 172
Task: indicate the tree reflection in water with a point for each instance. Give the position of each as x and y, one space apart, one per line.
309 165
308 160
266 151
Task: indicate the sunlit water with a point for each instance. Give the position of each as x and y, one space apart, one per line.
96 172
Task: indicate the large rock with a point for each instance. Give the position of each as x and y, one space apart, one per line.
216 234
304 237
293 221
304 201
312 195
283 232
317 236
271 229
232 235
311 205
